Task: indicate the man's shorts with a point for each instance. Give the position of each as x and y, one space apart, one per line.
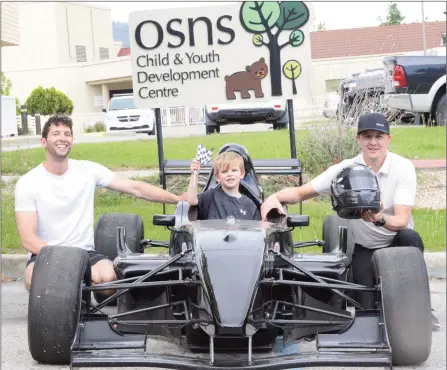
94 258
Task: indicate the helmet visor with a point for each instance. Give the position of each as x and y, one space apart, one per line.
359 178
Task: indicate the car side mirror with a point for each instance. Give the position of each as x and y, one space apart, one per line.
104 110
297 220
163 220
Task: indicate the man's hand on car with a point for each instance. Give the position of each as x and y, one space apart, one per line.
270 203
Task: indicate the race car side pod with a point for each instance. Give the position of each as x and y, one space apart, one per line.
320 280
116 295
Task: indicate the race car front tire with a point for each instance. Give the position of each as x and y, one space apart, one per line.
56 301
406 303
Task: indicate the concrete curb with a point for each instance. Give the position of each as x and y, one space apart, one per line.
13 265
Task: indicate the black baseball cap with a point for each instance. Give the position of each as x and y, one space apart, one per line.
373 121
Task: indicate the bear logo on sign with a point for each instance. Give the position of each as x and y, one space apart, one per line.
250 79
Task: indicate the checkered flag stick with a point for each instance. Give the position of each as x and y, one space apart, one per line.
203 156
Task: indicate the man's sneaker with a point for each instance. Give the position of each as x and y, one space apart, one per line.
434 322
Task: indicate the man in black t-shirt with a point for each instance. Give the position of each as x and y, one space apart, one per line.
226 200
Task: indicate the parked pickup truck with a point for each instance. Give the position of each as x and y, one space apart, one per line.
417 84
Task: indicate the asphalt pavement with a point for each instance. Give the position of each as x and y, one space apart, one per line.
16 356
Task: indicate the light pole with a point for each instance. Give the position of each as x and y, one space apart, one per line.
423 29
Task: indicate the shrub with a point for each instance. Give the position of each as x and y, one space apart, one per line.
325 146
6 85
48 101
97 127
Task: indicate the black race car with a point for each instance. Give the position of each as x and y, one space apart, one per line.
226 286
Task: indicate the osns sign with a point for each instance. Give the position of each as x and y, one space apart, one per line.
216 54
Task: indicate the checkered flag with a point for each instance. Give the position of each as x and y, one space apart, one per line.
203 155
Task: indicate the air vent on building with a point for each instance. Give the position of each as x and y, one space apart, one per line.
81 54
103 53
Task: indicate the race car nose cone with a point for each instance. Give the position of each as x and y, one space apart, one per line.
230 267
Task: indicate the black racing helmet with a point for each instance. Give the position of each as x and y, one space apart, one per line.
355 189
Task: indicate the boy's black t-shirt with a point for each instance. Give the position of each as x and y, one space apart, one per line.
216 204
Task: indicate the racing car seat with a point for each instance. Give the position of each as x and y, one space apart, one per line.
249 185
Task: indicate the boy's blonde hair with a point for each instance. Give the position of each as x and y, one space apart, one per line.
225 160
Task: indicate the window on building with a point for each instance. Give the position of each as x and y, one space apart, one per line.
443 41
333 85
103 53
81 54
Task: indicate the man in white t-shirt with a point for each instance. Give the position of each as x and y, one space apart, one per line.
394 225
54 202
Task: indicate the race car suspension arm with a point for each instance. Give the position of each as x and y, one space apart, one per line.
145 243
318 279
329 280
308 244
294 305
167 305
139 280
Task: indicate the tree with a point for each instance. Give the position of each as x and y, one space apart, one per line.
292 70
48 101
6 85
260 17
394 16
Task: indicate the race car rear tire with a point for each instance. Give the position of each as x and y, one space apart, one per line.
331 235
105 233
330 232
56 301
105 238
406 303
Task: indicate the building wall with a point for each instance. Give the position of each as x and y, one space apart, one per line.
50 32
38 48
85 26
9 22
67 79
46 55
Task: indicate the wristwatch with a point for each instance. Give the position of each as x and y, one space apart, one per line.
382 221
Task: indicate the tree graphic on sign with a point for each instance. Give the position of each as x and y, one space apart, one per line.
261 17
292 70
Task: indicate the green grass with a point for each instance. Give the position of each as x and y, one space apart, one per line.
420 142
430 224
413 143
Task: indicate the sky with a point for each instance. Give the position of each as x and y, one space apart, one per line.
335 15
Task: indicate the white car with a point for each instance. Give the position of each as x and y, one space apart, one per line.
122 115
273 112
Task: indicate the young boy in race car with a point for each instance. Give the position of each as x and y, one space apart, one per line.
225 200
